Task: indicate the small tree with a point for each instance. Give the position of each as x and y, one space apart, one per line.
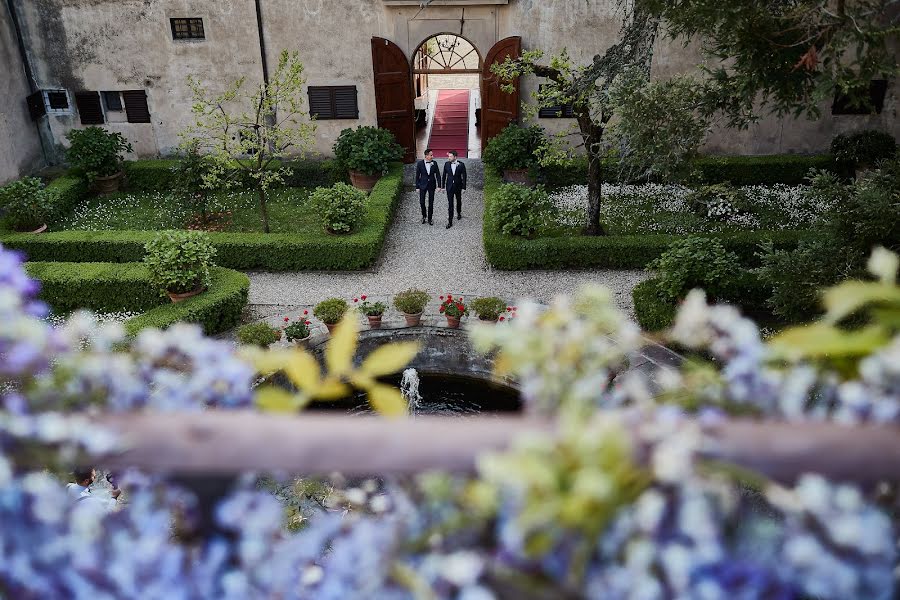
252 129
194 176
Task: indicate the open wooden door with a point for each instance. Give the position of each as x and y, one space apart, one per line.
393 94
498 108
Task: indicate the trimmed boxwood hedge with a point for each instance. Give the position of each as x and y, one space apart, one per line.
607 252
243 251
113 287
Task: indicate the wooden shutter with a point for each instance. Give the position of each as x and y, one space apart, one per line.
36 106
136 107
345 106
89 108
320 102
556 111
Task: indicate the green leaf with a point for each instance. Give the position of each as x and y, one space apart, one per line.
389 359
824 340
387 400
342 347
848 297
272 399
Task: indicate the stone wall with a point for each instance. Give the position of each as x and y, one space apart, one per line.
20 147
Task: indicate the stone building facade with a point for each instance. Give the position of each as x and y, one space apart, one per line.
89 49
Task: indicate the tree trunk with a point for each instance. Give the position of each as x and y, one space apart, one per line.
592 133
263 209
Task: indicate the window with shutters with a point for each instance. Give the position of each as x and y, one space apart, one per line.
136 108
333 102
842 104
112 101
56 101
187 29
89 108
557 111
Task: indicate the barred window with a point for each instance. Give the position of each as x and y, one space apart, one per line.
187 29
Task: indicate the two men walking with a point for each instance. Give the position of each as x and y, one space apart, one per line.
429 178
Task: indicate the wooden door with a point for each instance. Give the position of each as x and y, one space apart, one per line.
498 108
394 94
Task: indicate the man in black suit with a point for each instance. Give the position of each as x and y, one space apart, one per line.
454 181
427 180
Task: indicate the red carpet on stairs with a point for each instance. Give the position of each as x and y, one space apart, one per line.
450 128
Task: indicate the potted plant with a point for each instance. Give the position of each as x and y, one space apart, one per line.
513 151
330 312
863 149
454 309
510 314
27 204
298 331
372 310
489 309
179 262
411 303
258 334
367 152
340 208
97 155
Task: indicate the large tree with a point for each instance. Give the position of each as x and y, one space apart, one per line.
252 128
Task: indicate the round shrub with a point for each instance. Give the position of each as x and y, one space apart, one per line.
179 261
514 147
330 311
369 150
866 147
720 202
258 334
340 208
489 309
695 262
95 152
520 210
27 203
411 301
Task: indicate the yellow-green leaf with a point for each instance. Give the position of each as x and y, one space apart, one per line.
303 371
342 346
821 340
331 389
387 400
389 358
277 400
265 361
843 300
361 380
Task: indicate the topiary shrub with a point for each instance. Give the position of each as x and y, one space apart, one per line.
27 204
95 152
179 261
863 148
340 208
514 148
369 150
520 210
258 334
411 301
488 309
694 262
330 311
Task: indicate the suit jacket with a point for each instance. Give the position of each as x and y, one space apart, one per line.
424 179
451 181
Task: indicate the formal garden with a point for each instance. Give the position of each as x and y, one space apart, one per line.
736 439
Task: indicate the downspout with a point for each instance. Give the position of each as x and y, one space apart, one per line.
262 42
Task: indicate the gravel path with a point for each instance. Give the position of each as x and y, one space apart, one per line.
434 259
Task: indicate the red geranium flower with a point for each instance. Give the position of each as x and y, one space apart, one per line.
308 323
442 297
449 296
460 307
356 299
508 309
286 319
442 309
363 296
502 318
305 312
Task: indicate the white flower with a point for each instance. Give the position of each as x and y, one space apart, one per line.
462 568
883 264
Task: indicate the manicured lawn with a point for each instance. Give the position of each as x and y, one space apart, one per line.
289 212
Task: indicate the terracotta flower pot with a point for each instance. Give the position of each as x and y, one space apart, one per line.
452 322
302 342
412 320
517 176
108 184
184 296
374 321
362 181
487 320
40 229
330 326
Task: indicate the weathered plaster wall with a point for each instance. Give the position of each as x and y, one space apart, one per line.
20 148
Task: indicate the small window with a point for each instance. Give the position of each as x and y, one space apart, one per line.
333 102
57 100
89 108
136 108
112 101
877 89
187 29
563 111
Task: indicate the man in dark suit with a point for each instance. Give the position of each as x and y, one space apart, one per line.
454 181
428 175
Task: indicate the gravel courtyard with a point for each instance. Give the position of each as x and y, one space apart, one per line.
431 258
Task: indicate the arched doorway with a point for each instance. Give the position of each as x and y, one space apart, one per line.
446 70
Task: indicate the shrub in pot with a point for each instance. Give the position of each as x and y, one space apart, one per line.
258 334
340 208
863 149
367 152
513 151
299 330
330 311
372 310
454 309
179 262
411 303
489 309
96 154
27 204
521 211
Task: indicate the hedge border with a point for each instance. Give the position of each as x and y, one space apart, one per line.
608 252
242 251
116 286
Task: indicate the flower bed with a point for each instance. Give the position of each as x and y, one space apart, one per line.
110 288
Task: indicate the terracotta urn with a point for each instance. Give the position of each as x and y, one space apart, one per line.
453 322
362 181
330 326
108 184
412 320
374 321
176 297
517 176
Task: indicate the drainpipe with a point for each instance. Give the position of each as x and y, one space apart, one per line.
262 42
